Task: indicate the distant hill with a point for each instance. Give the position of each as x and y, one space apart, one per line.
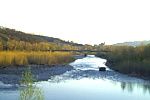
134 43
12 34
7 34
58 41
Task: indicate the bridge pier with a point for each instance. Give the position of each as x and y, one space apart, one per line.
85 55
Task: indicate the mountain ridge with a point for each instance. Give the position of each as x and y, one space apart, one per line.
133 43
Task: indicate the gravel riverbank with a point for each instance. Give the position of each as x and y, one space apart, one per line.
11 75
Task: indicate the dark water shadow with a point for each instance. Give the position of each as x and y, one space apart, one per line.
128 86
8 87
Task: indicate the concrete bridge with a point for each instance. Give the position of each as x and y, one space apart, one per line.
81 50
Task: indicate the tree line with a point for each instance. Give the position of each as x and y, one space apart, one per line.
12 40
13 45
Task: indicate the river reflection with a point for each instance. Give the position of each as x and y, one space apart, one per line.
131 86
85 82
125 86
93 89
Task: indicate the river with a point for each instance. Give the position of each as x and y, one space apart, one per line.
86 82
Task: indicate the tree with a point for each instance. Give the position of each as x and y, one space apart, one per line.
1 46
20 46
12 44
35 47
28 46
44 46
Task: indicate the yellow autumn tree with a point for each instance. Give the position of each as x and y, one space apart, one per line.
1 46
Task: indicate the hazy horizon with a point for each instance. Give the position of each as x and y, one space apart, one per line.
81 21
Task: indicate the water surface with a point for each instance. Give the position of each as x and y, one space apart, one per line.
85 82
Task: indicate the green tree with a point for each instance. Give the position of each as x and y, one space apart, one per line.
30 92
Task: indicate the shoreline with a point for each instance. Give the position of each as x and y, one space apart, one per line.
12 75
110 65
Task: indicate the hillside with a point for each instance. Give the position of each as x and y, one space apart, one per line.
58 41
7 34
134 43
12 34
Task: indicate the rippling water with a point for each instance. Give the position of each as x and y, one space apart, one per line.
85 82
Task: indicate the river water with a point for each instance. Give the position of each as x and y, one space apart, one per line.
86 82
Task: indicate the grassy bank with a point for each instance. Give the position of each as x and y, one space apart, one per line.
20 58
129 60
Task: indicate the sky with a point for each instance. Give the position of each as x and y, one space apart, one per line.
81 21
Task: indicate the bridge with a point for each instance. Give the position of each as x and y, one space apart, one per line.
81 50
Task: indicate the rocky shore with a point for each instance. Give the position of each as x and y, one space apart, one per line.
11 75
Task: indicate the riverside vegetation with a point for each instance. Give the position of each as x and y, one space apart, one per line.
30 91
128 59
22 49
21 58
18 48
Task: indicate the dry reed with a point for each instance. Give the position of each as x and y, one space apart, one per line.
20 58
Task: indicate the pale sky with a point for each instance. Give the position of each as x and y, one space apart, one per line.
82 21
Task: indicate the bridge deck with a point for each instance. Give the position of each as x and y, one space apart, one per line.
81 50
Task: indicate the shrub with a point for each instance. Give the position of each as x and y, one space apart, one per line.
130 60
30 92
